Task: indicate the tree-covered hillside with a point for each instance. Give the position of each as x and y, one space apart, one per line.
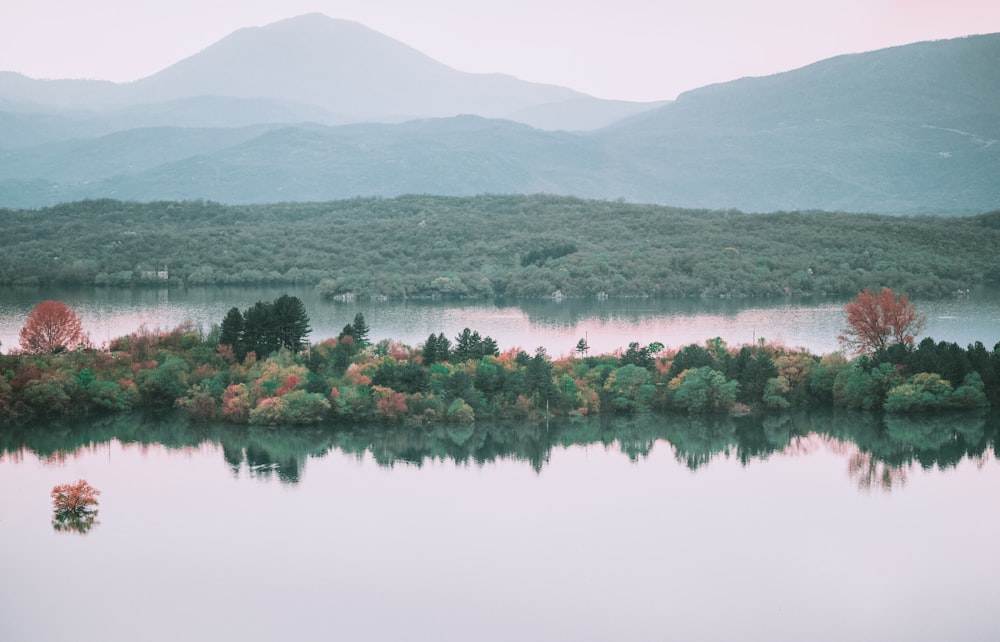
515 246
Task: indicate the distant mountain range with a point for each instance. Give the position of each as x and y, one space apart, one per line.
313 108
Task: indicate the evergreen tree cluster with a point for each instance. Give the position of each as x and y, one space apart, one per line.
266 327
469 344
358 330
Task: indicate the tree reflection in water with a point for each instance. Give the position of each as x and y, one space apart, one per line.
879 451
74 522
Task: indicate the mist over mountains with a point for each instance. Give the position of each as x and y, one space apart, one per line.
313 108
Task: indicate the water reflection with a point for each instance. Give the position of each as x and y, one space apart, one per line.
878 452
80 523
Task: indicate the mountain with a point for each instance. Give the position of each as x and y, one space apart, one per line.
338 71
907 130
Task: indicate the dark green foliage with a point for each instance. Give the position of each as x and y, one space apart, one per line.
402 377
538 376
437 349
635 355
360 330
752 371
259 332
291 323
439 246
688 357
268 327
232 331
469 345
540 255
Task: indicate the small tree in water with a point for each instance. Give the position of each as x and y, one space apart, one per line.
876 321
74 507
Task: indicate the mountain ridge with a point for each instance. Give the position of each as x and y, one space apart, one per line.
912 129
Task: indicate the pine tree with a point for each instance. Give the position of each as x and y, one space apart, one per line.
360 330
429 353
232 332
258 330
443 348
291 323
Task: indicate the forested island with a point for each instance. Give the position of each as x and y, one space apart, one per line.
256 367
495 246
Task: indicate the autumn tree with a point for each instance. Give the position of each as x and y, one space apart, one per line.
876 321
74 507
51 326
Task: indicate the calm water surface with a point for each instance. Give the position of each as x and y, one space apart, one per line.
783 528
818 527
607 325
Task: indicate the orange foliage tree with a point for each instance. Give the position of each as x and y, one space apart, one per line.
74 498
876 321
74 507
51 326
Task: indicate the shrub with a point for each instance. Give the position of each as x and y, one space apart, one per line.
703 389
460 412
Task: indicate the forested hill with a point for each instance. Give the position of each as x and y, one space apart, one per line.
515 246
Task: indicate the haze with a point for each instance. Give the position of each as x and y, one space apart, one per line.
629 49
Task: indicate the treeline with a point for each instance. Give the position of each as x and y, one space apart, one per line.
495 246
346 380
880 449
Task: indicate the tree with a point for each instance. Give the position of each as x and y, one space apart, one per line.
258 329
635 355
51 326
876 321
291 323
360 330
74 507
231 333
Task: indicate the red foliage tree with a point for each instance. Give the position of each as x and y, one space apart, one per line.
51 326
876 321
74 498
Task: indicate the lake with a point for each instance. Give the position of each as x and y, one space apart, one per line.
818 526
556 326
823 526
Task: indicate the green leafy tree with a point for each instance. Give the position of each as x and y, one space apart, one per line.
638 356
631 388
703 389
689 357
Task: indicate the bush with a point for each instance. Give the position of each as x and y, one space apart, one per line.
701 390
460 412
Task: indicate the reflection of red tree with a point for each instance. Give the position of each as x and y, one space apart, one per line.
870 473
867 471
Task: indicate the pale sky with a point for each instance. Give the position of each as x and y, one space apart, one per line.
623 49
